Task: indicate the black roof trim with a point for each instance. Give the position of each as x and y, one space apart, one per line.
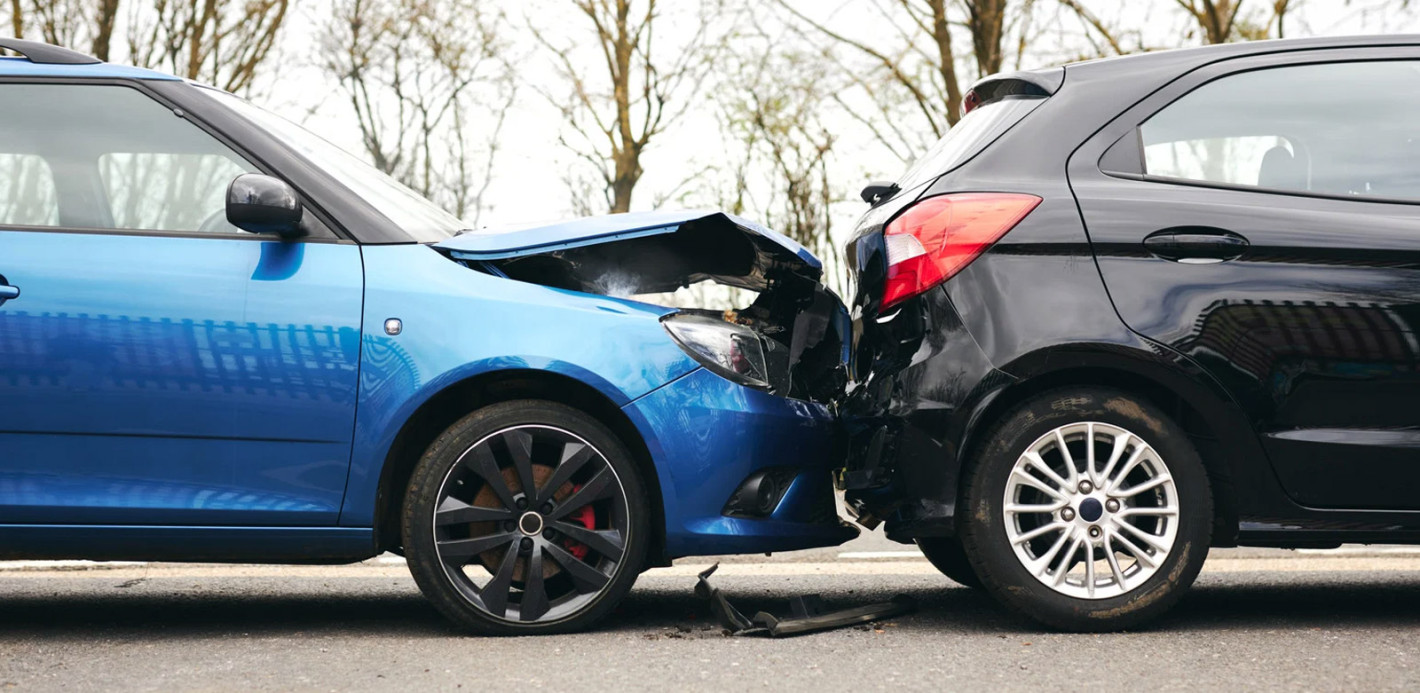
46 54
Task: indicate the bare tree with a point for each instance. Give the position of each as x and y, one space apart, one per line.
777 115
629 87
921 67
71 23
224 42
421 76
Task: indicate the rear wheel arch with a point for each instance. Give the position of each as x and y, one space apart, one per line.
1208 434
459 399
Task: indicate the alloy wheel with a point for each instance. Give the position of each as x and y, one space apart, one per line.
531 524
1091 510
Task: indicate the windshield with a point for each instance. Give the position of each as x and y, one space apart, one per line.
977 129
421 219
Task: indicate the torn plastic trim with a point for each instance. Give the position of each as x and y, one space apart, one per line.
807 613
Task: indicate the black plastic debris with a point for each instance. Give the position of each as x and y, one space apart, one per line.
807 614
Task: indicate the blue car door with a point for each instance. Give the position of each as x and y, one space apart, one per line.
157 365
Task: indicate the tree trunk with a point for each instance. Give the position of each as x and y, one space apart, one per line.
946 60
103 28
17 19
987 21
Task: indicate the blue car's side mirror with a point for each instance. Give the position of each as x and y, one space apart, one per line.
262 204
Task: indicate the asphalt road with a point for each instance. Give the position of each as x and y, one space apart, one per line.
1256 620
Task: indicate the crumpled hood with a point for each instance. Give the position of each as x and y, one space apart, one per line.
648 251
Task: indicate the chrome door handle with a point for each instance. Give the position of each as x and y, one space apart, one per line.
7 292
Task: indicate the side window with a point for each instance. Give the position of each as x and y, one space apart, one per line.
27 193
109 157
1344 129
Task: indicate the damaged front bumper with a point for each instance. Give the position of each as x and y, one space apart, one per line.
712 438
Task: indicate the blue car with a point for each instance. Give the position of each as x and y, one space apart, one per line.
224 339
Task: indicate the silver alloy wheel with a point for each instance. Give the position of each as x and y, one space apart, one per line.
1091 510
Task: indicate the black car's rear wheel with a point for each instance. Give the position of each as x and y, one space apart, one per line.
1088 510
525 517
947 556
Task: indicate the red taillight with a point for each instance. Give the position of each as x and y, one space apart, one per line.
935 238
970 102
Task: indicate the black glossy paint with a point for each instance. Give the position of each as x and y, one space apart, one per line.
1291 361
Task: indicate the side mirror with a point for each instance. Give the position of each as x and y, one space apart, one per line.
262 204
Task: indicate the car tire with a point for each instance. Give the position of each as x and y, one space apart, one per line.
946 555
1027 533
498 560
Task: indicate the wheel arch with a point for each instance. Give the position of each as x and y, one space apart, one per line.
1203 415
459 399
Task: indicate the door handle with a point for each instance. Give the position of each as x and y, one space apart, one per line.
1196 244
7 291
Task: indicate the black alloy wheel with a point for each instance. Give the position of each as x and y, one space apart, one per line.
525 517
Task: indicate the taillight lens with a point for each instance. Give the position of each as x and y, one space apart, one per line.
970 102
937 237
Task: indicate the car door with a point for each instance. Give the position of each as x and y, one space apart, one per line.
157 365
1261 216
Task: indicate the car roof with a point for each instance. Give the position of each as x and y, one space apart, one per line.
1188 58
22 67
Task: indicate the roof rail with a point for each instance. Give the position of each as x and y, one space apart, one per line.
46 54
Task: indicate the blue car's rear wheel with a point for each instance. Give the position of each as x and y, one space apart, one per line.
525 517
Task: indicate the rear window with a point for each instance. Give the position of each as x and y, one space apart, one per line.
973 133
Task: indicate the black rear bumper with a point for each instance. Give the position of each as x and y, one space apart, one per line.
911 421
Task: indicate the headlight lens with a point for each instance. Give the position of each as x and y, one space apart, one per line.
732 351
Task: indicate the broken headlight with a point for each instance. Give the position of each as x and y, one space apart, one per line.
732 351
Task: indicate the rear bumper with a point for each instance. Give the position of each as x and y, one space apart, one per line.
911 419
707 435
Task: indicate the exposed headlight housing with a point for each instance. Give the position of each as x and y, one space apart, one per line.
731 351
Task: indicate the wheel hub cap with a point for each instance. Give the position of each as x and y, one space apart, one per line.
530 524
1091 509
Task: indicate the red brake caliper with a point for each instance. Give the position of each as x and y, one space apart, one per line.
587 518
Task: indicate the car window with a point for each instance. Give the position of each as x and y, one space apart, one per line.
1339 129
974 132
167 192
114 159
27 193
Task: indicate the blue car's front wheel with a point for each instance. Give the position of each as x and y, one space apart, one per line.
525 517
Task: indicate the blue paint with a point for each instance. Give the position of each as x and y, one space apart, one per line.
149 379
22 67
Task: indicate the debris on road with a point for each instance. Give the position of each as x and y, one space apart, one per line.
807 613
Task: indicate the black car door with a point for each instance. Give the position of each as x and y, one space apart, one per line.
1260 216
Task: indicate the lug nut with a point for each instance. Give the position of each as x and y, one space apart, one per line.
549 534
1086 487
526 545
509 525
546 508
1067 514
1095 532
1111 505
522 503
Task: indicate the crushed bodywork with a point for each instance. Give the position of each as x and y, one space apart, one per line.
654 257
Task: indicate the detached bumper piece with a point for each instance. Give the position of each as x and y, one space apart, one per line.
807 614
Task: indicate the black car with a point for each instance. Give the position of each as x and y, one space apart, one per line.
1133 308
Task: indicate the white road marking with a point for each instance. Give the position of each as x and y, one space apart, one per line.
866 555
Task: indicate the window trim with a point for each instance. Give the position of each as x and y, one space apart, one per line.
1133 118
322 231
